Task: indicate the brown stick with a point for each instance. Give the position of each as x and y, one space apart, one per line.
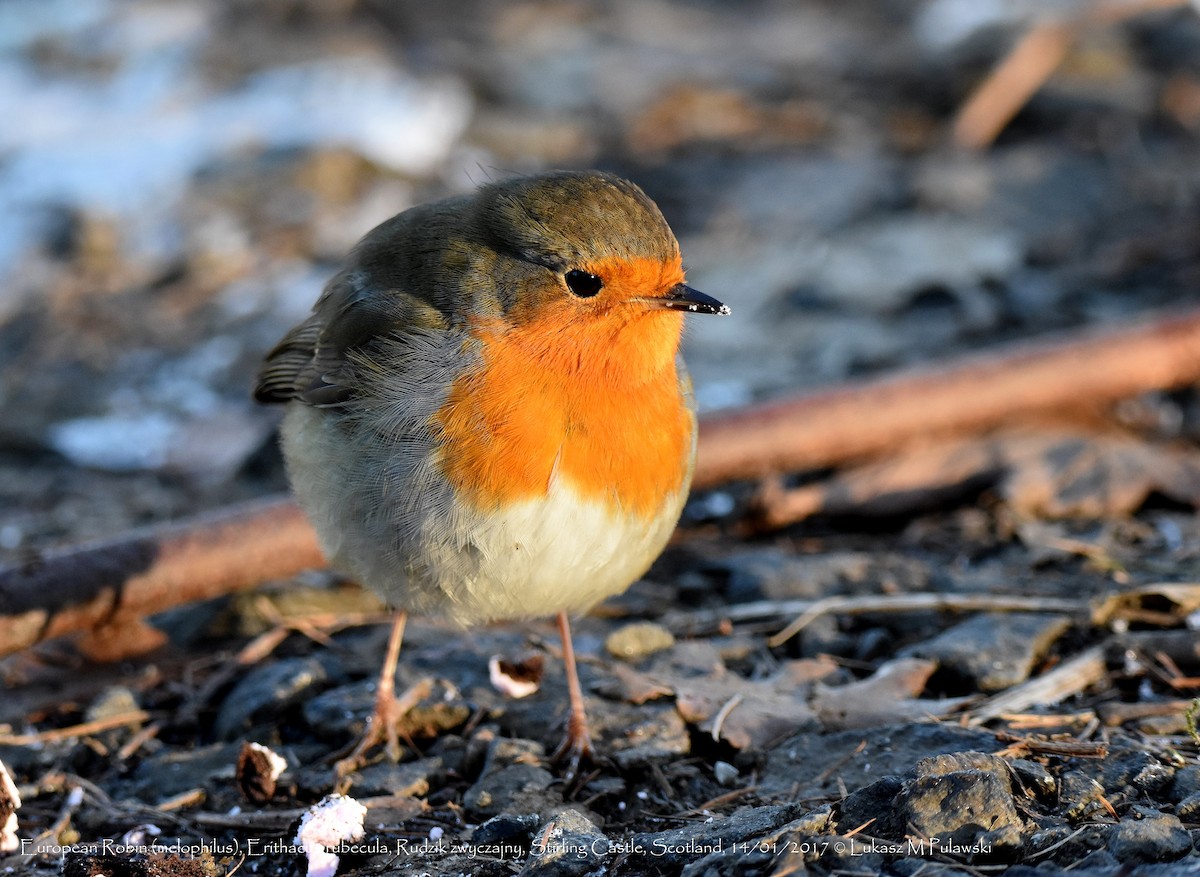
114 584
1012 83
972 395
1032 61
1071 677
804 612
1024 745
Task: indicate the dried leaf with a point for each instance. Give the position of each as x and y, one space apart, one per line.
885 697
258 771
1046 474
516 679
752 713
1166 601
1095 476
633 686
913 480
749 713
128 638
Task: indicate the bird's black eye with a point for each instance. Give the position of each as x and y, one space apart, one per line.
583 284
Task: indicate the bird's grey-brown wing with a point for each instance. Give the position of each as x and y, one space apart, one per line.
377 295
312 362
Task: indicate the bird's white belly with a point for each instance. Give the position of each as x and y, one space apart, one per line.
542 556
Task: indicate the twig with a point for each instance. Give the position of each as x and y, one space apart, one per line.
718 802
1016 79
1063 748
182 801
923 602
1021 721
862 827
81 730
1030 62
807 610
137 741
71 804
722 714
1070 677
113 585
1041 854
1114 714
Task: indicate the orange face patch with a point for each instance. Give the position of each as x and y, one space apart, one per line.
584 391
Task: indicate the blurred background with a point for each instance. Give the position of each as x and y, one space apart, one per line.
178 180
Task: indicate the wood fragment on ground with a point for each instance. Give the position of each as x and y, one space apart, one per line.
1031 61
111 586
1115 714
84 729
1071 677
1021 745
1045 471
1182 598
807 611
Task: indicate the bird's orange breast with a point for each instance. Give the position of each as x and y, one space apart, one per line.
596 403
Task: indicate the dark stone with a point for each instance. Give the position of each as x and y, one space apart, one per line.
266 690
517 786
340 711
768 573
824 636
1066 844
964 808
1097 861
507 828
1146 835
648 733
784 849
385 778
952 762
733 862
512 780
679 846
347 708
993 651
1186 782
175 771
1079 795
569 844
876 801
1034 779
802 762
1189 808
1139 770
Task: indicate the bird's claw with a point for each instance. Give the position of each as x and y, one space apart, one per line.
382 727
574 752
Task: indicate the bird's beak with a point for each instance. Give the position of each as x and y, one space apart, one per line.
683 298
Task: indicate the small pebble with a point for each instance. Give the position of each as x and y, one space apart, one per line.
635 641
115 701
725 773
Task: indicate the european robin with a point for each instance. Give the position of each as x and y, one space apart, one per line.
488 417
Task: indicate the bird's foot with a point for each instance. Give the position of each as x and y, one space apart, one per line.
390 710
575 751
